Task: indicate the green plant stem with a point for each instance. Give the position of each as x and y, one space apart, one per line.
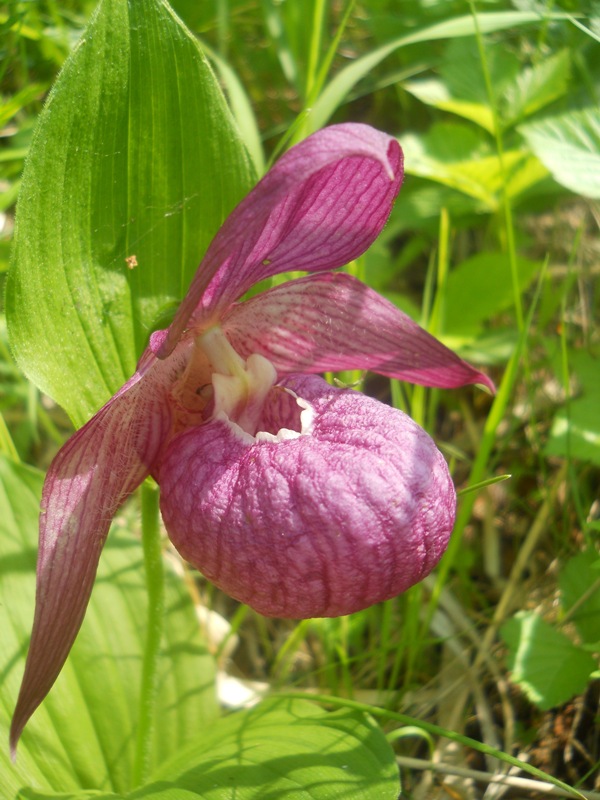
319 82
515 579
277 33
318 67
506 207
156 611
480 465
436 317
319 14
514 782
223 27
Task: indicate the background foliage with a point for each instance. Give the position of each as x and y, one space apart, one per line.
493 245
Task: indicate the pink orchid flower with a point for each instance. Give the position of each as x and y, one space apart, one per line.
295 497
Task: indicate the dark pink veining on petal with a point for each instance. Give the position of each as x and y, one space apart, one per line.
350 504
332 322
321 205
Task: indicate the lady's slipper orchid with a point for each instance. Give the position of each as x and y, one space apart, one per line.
295 497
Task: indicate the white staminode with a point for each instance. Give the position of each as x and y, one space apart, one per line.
241 388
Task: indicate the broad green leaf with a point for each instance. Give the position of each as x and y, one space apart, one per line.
165 791
526 178
580 587
490 347
455 155
569 146
544 662
36 794
462 70
83 735
289 749
518 92
135 157
448 143
575 432
537 87
434 92
338 89
418 207
430 156
461 87
478 289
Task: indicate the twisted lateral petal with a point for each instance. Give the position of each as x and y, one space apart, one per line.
87 481
322 204
334 322
324 524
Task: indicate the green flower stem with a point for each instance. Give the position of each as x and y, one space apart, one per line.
326 62
482 459
319 15
156 612
506 206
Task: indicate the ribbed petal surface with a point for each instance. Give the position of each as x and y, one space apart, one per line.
321 205
335 322
86 483
322 525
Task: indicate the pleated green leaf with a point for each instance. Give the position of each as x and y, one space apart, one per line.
134 165
288 749
282 748
83 735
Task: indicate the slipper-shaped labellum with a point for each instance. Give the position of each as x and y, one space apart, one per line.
295 497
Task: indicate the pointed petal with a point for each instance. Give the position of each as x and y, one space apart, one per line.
334 322
87 481
322 204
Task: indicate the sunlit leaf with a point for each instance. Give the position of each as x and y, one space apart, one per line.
527 178
455 155
83 735
337 91
575 432
288 749
538 86
569 146
544 662
35 794
434 92
285 748
418 207
481 287
580 587
461 88
518 92
134 165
